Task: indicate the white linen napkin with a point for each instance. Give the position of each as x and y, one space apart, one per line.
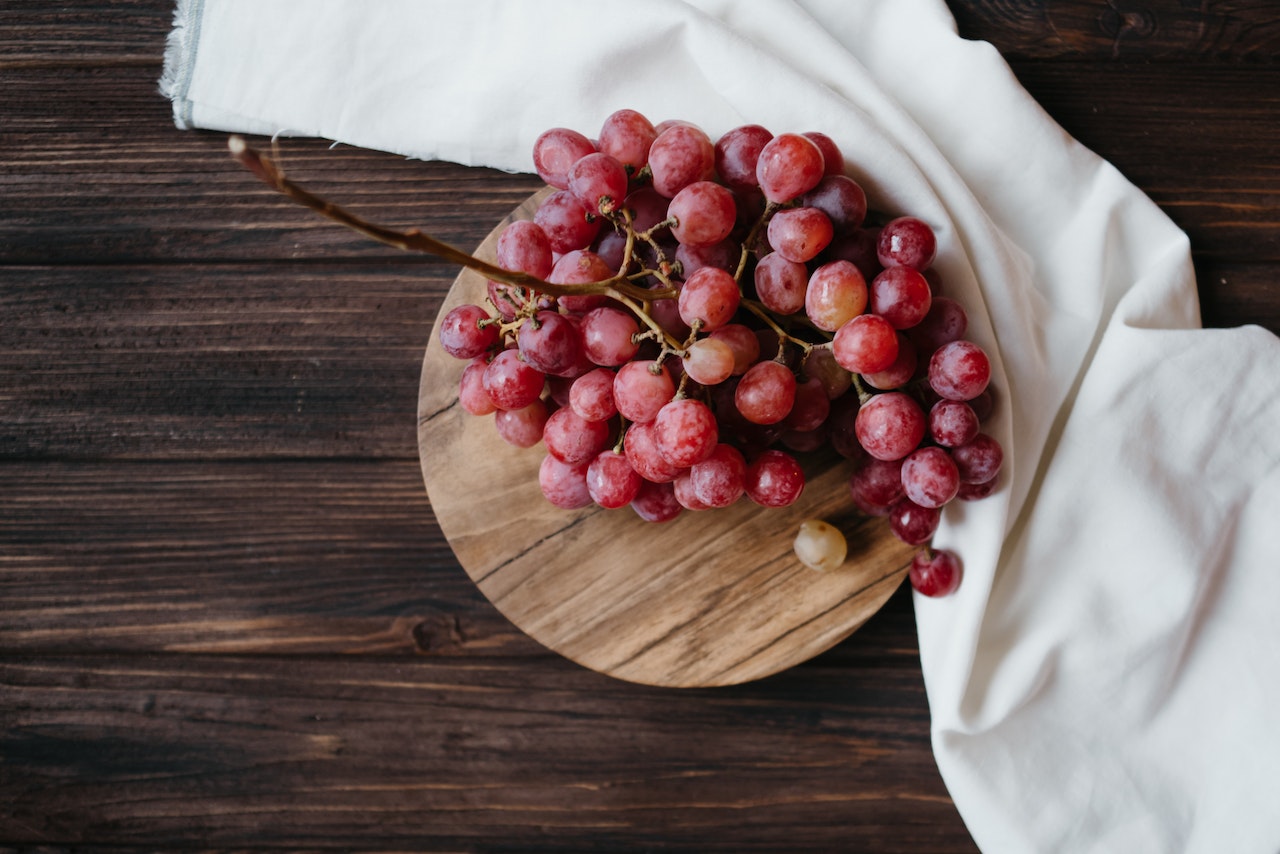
1107 675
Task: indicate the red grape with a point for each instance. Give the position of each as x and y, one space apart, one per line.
566 221
591 395
463 335
789 165
641 388
681 155
959 370
685 432
799 234
607 336
890 425
935 574
930 477
550 342
836 293
656 502
832 159
901 296
626 135
525 248
979 459
709 361
611 480
521 427
555 151
564 484
900 372
781 283
912 523
641 449
866 344
952 423
719 480
471 394
704 214
599 182
573 439
774 479
511 382
711 296
736 154
766 393
841 198
906 241
743 342
946 321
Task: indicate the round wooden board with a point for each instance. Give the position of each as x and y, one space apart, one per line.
710 598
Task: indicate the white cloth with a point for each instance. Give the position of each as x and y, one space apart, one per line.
1107 677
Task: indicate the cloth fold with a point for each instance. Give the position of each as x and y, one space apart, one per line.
1105 677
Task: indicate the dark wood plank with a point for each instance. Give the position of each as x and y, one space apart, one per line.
195 751
1232 30
264 360
299 558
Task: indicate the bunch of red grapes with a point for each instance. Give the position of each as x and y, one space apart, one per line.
709 312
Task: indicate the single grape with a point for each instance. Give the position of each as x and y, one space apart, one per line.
471 394
774 479
656 502
566 222
709 361
952 423
572 439
789 165
704 213
465 332
841 198
685 432
720 479
681 155
521 427
608 336
626 136
911 523
866 344
890 425
555 151
611 245
959 370
935 572
710 296
599 182
906 241
836 293
591 395
901 296
766 393
550 342
820 545
979 459
736 154
930 477
641 388
564 484
781 283
511 382
611 480
525 248
799 234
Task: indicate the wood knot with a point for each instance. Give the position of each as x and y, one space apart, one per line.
1119 23
439 633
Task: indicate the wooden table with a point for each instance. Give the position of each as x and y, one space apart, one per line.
227 617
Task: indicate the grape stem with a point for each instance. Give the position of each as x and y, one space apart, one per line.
618 287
